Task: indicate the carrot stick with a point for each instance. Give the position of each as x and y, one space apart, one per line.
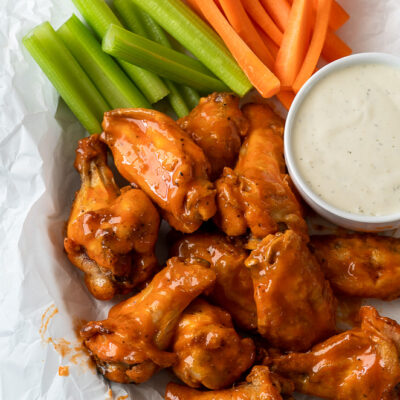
279 10
335 47
272 47
286 98
338 17
261 17
259 75
316 45
241 23
295 42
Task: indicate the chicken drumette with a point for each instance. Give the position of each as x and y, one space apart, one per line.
261 385
111 233
257 193
360 265
217 125
295 304
153 152
209 350
233 289
129 346
359 364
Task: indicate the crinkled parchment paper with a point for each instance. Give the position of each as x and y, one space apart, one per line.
42 297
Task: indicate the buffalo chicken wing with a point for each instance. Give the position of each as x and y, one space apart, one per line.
217 125
359 364
360 265
295 304
111 233
233 289
209 350
129 346
257 194
260 385
152 152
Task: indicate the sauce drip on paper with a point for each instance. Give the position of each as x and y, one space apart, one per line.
63 371
73 353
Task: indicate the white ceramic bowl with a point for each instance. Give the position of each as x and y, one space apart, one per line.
335 215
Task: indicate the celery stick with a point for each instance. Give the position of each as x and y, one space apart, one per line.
129 15
111 81
195 35
165 62
67 76
156 33
191 96
176 100
100 16
133 18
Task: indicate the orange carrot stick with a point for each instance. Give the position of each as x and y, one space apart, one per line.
241 23
339 16
259 75
316 45
273 48
286 98
261 17
335 47
295 42
279 10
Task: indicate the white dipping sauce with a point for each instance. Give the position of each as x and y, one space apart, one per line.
346 139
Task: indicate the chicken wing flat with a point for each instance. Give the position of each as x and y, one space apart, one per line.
129 346
261 385
233 289
359 364
111 233
217 125
360 265
257 194
295 304
151 151
210 352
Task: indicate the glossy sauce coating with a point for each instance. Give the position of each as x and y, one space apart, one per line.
257 194
210 352
261 385
295 304
360 265
129 346
345 139
111 233
151 151
217 125
360 364
233 289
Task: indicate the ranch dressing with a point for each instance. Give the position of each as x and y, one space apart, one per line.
346 139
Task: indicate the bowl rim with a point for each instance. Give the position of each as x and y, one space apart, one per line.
305 190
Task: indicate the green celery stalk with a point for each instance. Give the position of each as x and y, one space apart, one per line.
162 60
191 96
195 35
129 15
67 76
111 81
99 16
156 33
176 100
134 18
